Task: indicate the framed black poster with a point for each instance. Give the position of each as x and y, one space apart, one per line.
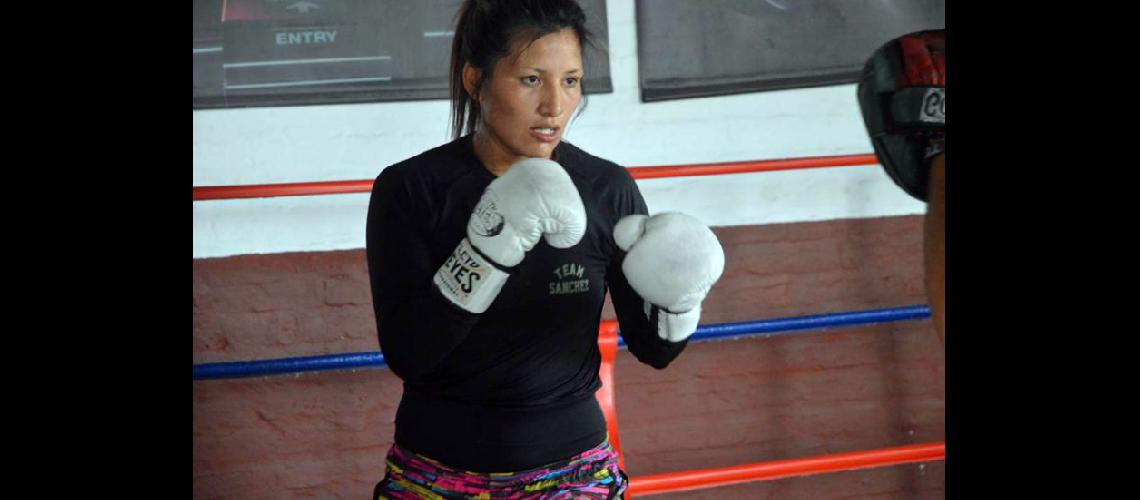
304 52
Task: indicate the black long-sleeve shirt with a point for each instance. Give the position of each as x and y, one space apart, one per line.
511 388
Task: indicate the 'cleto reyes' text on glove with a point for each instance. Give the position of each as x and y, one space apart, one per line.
902 93
535 197
672 261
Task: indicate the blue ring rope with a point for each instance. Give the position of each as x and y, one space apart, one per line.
766 328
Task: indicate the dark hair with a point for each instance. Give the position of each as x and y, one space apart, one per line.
485 32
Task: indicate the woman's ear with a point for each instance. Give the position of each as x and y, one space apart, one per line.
470 77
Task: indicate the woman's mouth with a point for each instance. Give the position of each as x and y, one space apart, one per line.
545 134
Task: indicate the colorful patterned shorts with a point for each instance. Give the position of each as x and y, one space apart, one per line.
590 474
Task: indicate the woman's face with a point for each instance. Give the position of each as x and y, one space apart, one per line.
529 98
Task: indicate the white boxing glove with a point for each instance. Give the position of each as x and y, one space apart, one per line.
534 197
672 261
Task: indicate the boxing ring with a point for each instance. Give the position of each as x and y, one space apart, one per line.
609 342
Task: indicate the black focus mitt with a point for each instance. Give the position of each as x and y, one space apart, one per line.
902 93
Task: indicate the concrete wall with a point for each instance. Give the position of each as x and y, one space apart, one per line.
355 142
324 435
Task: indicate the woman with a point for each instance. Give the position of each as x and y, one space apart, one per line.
489 260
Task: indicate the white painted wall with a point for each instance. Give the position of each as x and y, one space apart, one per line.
352 142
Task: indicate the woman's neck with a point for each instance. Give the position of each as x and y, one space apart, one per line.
495 159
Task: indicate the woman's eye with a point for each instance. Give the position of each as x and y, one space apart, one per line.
530 80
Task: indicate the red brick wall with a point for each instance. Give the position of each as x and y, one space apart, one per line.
721 403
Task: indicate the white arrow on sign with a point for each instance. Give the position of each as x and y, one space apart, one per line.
303 7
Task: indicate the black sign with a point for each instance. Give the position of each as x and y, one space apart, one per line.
297 52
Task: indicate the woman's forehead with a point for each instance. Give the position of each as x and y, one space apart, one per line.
558 51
